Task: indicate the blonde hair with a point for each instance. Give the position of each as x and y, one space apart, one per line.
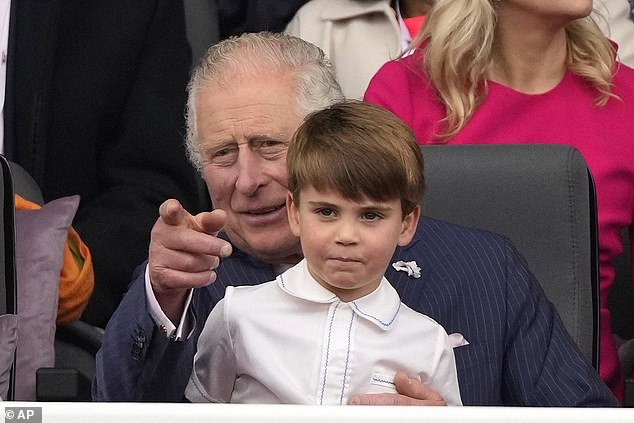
457 44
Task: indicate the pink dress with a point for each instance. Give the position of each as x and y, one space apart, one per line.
564 115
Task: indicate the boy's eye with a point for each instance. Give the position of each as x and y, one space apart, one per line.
326 212
371 216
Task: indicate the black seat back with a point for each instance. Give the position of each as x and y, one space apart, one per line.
540 196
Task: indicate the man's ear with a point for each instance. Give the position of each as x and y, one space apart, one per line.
408 226
292 210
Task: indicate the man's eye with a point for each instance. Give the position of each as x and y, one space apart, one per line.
271 149
222 152
223 156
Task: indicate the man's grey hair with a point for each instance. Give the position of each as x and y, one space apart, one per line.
255 53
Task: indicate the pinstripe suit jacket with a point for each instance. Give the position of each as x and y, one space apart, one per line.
473 282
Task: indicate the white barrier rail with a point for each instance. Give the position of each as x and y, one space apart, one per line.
37 412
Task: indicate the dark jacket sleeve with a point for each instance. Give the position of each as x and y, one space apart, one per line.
542 364
136 361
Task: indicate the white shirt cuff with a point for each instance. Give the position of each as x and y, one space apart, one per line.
165 325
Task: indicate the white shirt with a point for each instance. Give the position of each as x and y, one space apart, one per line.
406 37
186 322
292 341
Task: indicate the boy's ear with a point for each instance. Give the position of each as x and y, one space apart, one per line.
408 226
292 211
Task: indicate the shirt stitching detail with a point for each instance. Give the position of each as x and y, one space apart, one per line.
376 319
323 387
376 379
345 370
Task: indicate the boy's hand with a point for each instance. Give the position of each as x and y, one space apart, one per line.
410 392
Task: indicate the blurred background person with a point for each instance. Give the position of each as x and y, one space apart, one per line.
616 19
358 36
238 16
94 105
526 71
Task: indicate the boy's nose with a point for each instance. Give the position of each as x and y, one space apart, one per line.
347 234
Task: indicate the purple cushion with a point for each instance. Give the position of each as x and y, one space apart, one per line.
40 238
8 335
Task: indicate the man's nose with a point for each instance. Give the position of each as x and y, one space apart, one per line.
250 172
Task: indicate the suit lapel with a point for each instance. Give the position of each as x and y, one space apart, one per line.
410 288
434 293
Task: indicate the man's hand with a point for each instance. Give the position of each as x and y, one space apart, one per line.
410 392
184 251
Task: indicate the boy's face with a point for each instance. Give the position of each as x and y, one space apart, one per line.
348 244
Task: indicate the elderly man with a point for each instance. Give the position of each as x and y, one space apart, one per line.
245 100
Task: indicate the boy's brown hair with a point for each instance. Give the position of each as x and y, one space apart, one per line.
357 149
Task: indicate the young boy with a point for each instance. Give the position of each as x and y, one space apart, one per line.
332 325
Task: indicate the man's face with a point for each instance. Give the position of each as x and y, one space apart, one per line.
244 129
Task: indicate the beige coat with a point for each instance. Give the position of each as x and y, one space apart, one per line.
615 22
358 37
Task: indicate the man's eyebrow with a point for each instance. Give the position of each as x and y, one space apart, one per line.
218 145
265 137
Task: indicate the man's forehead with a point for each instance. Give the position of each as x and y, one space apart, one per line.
239 128
242 113
267 95
235 78
244 124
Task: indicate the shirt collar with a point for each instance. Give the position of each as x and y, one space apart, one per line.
380 307
406 37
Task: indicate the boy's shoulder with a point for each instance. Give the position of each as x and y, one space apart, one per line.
250 296
415 321
246 291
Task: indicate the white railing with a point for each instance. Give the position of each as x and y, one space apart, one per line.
234 413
